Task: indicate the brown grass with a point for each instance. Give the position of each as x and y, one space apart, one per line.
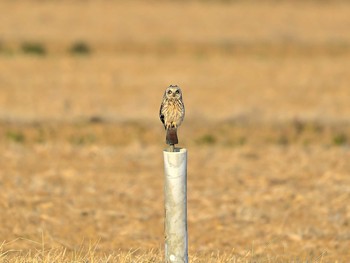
90 254
266 89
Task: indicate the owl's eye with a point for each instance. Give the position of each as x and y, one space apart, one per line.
177 91
169 92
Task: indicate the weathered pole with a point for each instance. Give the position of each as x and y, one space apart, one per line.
175 197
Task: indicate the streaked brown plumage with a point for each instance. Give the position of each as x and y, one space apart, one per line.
172 112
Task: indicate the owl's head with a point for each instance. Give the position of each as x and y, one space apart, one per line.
173 92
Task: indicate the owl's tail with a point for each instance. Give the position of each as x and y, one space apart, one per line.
171 136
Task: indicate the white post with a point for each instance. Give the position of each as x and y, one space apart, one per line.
175 196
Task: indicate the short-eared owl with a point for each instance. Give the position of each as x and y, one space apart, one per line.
172 112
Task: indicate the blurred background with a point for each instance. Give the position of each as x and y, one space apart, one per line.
266 89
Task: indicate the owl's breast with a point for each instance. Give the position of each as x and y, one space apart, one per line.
173 112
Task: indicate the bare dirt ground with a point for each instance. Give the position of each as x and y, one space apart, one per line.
266 89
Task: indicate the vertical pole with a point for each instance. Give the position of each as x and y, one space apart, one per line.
175 197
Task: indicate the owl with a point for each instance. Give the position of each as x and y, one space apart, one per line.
172 113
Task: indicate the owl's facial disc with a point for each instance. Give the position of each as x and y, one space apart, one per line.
176 93
173 92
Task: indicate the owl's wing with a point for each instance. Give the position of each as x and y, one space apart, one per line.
161 115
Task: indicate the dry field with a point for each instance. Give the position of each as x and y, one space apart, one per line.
267 89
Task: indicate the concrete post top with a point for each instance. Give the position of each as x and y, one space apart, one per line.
176 151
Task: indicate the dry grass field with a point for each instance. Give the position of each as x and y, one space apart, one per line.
267 92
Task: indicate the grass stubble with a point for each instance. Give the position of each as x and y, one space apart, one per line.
90 254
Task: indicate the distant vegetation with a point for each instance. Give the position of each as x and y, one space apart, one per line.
340 139
206 139
34 48
80 48
83 139
15 136
37 48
